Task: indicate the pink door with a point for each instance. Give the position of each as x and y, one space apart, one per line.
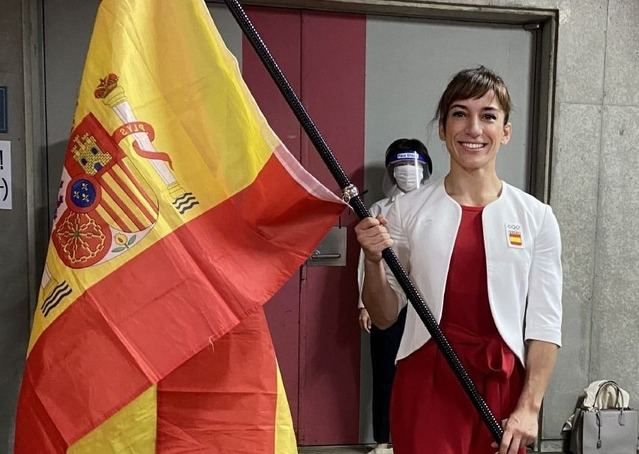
313 318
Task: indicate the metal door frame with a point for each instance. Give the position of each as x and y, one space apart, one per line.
35 146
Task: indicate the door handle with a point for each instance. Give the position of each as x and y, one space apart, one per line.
332 249
317 255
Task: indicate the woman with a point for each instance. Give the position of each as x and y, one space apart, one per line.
486 258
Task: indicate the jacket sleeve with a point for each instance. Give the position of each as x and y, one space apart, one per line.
400 246
543 314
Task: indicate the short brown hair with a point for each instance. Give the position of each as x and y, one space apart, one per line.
473 83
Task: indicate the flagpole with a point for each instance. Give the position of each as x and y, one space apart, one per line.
350 194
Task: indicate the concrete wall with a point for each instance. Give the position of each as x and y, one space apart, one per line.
593 192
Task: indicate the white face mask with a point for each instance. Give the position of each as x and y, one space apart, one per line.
408 177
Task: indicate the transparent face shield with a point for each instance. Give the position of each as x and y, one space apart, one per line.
405 172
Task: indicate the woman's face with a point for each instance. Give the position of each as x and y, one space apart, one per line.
473 131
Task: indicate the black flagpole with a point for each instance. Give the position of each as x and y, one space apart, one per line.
351 196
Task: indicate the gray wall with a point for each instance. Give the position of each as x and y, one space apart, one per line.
593 192
593 195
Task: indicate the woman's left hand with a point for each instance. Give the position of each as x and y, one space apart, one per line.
520 430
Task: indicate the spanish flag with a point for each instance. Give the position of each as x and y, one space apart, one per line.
180 214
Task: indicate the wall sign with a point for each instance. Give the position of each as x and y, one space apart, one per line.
5 175
4 121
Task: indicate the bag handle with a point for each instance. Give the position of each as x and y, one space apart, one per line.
618 395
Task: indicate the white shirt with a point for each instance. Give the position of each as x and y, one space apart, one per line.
524 280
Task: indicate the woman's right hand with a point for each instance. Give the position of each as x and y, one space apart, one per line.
373 236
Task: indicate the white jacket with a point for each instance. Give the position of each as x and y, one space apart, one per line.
524 280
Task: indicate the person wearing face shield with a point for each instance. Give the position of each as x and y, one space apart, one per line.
408 166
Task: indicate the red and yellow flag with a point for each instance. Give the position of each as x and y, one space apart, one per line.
180 214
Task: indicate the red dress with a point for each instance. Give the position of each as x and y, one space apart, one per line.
430 412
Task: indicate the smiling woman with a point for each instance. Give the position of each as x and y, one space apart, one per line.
486 258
